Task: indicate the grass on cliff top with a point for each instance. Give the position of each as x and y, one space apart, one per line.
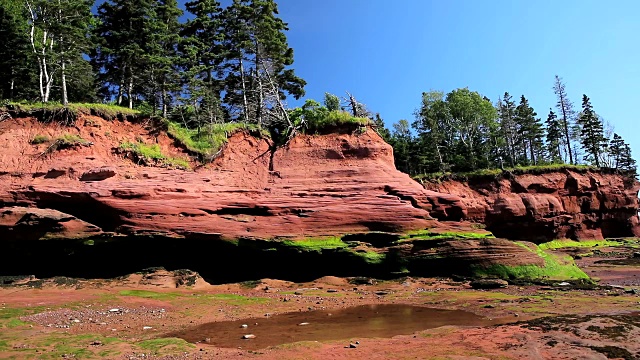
209 139
333 120
563 244
152 154
555 268
495 173
56 112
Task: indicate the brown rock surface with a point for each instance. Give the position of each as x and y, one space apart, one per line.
314 186
562 204
318 185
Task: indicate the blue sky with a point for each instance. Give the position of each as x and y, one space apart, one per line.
388 52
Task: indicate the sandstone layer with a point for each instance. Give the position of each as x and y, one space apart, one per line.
555 205
252 199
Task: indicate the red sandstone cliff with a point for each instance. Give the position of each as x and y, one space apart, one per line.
320 185
555 205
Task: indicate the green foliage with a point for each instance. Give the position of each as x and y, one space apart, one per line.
431 235
563 244
71 140
592 132
149 294
621 154
555 268
314 118
497 173
152 154
40 139
53 111
165 346
371 257
316 244
207 141
331 102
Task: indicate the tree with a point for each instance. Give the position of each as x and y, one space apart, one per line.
621 153
565 107
123 39
380 128
402 143
257 59
162 56
17 80
471 117
332 102
202 53
530 132
593 140
431 124
554 137
506 117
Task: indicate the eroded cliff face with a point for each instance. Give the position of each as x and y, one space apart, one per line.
258 207
555 205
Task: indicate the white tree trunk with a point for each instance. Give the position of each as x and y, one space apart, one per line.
130 92
244 92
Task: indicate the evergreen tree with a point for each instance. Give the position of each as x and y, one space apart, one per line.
257 60
593 139
554 137
565 108
430 124
530 132
621 153
332 102
123 39
403 143
506 116
384 133
203 55
17 78
162 56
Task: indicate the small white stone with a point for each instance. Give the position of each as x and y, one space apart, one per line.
248 336
147 328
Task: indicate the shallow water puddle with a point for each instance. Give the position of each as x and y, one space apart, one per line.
359 322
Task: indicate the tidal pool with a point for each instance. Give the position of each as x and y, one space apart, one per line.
368 321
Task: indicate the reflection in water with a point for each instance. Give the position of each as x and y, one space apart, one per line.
357 322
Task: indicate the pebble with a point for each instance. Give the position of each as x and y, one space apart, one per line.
352 346
332 291
248 336
303 324
114 310
147 328
244 326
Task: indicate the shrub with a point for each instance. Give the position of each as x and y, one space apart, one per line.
71 140
313 118
207 141
151 154
40 139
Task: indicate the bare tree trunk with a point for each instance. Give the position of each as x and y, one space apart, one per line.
244 92
280 104
121 85
260 91
566 128
65 99
63 68
164 99
130 92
